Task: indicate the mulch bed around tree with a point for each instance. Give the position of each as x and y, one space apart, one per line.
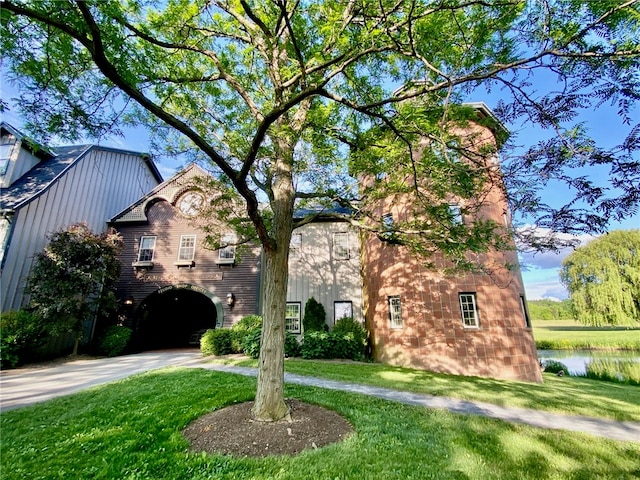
232 431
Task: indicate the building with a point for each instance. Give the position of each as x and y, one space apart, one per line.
472 324
173 285
324 264
44 190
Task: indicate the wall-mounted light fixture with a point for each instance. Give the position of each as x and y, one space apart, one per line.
128 301
230 299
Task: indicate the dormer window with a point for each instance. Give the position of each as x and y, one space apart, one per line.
6 150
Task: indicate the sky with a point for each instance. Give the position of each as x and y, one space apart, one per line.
540 271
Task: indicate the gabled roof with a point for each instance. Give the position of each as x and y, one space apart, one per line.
56 161
37 180
168 190
37 149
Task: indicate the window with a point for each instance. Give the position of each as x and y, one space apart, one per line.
296 242
341 246
292 318
395 312
5 157
342 310
525 312
469 309
147 247
387 221
456 214
187 248
227 254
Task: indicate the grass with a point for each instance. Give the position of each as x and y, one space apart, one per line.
131 430
570 335
621 371
572 395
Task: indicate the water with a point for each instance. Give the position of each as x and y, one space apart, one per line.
577 360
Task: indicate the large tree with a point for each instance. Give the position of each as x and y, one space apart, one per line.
294 101
603 279
72 280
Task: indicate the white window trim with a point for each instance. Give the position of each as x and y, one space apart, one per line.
395 312
297 320
456 213
341 251
464 309
227 253
141 249
182 248
295 244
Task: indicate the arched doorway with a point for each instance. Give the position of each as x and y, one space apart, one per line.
175 316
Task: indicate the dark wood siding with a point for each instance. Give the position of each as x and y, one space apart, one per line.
168 225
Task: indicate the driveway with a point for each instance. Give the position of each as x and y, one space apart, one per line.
25 386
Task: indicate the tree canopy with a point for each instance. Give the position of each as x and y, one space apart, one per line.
603 279
72 280
296 101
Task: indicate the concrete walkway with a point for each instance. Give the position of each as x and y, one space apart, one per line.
26 386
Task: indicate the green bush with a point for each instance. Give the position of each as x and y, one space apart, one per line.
21 335
241 329
292 347
357 336
348 340
114 340
318 345
553 366
217 342
314 319
251 344
619 371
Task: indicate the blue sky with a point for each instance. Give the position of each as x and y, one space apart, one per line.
539 271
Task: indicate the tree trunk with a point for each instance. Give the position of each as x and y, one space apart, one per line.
269 404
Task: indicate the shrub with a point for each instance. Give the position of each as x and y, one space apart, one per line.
292 347
241 329
553 366
357 336
216 342
251 344
114 340
21 334
314 317
317 345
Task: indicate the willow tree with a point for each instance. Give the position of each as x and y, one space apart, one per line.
295 101
603 279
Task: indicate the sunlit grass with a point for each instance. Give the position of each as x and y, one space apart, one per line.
572 395
132 430
567 334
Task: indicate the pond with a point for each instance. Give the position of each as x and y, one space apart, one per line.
577 360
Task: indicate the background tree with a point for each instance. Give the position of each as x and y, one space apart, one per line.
291 102
72 278
603 279
551 310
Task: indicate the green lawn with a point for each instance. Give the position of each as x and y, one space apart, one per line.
568 334
131 429
573 395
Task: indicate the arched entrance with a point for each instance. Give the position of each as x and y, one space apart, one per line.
175 316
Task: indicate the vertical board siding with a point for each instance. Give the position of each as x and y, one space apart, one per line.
313 272
84 193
